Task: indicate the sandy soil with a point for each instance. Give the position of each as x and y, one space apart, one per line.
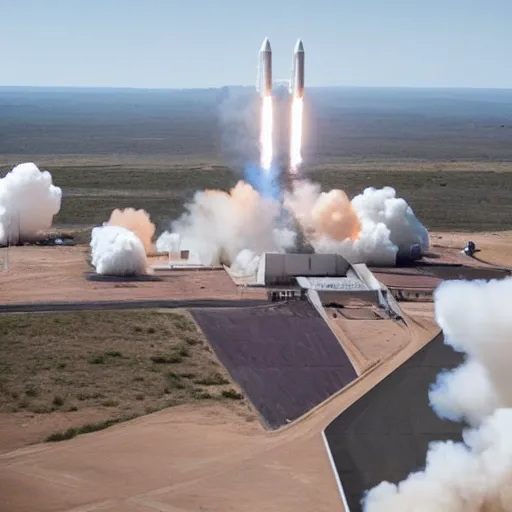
495 248
41 274
187 459
20 429
368 342
38 274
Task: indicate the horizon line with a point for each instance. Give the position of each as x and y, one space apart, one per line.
129 88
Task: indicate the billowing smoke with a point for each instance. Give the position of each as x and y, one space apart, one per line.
475 475
218 225
168 242
117 251
28 203
246 262
371 228
322 214
137 221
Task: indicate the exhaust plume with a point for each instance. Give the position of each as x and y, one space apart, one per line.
137 221
479 324
218 225
371 228
476 475
28 203
117 251
297 112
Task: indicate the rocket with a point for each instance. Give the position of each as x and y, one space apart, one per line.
264 85
297 81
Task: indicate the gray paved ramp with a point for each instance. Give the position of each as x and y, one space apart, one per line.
385 434
284 356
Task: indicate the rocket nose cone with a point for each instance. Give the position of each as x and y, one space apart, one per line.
265 47
299 47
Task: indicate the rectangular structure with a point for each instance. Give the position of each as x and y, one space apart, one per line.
283 268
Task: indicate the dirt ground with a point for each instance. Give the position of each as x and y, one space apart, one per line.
64 373
368 342
58 274
493 248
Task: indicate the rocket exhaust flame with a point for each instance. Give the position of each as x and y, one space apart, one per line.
296 134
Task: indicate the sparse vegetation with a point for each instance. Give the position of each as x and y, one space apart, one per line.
110 403
191 340
232 394
215 379
431 188
424 146
29 391
113 353
184 352
58 401
86 429
103 361
172 359
202 394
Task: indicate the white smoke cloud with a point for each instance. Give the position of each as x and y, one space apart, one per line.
475 320
218 225
475 475
464 394
28 203
168 242
246 263
137 221
117 251
381 206
371 228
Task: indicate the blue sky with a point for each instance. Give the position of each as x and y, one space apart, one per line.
210 43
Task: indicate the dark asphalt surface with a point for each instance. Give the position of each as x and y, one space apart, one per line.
126 304
385 434
283 356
